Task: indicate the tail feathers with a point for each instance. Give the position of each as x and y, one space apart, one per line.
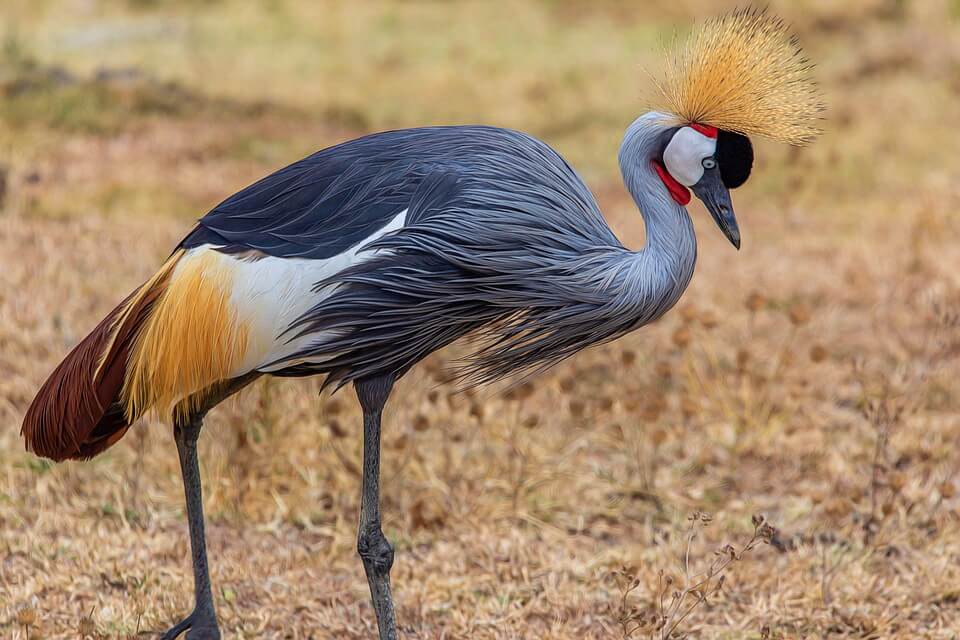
77 413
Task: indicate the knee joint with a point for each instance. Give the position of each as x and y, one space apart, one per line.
374 550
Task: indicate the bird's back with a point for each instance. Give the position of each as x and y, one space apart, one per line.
339 196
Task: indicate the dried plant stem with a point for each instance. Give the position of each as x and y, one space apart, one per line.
698 587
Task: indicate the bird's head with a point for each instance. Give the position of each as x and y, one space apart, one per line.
710 162
737 75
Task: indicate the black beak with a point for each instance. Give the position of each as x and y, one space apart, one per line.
716 198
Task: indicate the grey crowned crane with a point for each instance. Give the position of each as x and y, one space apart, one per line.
360 260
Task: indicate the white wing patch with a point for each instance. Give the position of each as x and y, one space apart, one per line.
270 293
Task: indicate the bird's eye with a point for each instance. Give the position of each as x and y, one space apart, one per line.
709 163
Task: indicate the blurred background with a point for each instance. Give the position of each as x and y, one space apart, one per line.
811 378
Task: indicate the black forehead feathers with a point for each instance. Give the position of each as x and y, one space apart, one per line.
734 158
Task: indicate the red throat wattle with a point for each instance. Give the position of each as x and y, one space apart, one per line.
679 193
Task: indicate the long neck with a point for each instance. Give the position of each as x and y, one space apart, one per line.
661 270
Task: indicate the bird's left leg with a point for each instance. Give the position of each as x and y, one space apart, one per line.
374 550
201 624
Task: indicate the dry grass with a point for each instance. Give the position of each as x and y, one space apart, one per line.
811 378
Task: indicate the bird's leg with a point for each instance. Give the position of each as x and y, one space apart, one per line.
201 624
374 550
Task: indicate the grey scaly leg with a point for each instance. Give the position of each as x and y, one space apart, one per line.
201 624
374 550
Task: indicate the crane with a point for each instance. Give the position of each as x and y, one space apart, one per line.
358 261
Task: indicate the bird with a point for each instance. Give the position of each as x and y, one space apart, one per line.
357 262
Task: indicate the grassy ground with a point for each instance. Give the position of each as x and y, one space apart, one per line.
811 378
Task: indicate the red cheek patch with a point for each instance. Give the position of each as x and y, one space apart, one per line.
705 129
679 193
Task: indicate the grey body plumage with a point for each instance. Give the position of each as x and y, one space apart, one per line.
502 240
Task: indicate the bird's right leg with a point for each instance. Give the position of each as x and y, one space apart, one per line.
374 550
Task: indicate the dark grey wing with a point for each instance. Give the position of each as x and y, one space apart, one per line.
326 203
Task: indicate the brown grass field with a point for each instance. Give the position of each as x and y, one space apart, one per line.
813 377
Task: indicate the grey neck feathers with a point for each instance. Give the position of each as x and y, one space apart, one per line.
658 274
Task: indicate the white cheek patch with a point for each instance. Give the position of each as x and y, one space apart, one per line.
684 155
